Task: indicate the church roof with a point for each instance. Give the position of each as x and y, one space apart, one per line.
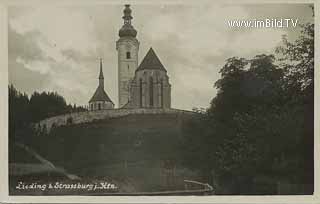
100 95
151 62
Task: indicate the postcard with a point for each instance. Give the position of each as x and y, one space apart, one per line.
162 101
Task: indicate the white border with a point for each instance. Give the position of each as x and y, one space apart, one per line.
141 199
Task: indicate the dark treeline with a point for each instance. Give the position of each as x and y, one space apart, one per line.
25 110
258 131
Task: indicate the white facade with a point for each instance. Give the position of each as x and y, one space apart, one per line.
100 105
128 49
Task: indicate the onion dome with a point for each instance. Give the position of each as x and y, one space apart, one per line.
127 29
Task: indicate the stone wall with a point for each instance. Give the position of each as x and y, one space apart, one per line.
89 116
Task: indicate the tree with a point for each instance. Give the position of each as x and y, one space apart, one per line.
260 124
23 112
19 117
245 98
297 61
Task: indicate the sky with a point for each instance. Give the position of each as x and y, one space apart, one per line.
57 48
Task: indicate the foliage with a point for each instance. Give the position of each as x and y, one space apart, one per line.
297 59
19 116
24 110
260 124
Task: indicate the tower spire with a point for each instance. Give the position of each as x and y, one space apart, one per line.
101 78
100 99
127 14
101 72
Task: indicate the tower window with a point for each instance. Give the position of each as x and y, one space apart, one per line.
128 55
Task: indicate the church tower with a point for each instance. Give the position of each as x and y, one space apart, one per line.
128 48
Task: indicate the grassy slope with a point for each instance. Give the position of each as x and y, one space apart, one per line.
126 148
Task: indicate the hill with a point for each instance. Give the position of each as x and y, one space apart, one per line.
143 149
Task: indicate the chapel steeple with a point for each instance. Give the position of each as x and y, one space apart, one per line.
101 77
100 99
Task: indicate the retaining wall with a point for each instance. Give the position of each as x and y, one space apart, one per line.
89 116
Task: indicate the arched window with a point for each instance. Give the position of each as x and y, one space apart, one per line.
151 91
99 106
140 91
128 55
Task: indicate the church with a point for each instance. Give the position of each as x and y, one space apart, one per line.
144 85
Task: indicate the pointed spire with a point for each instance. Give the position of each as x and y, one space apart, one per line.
100 94
101 72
